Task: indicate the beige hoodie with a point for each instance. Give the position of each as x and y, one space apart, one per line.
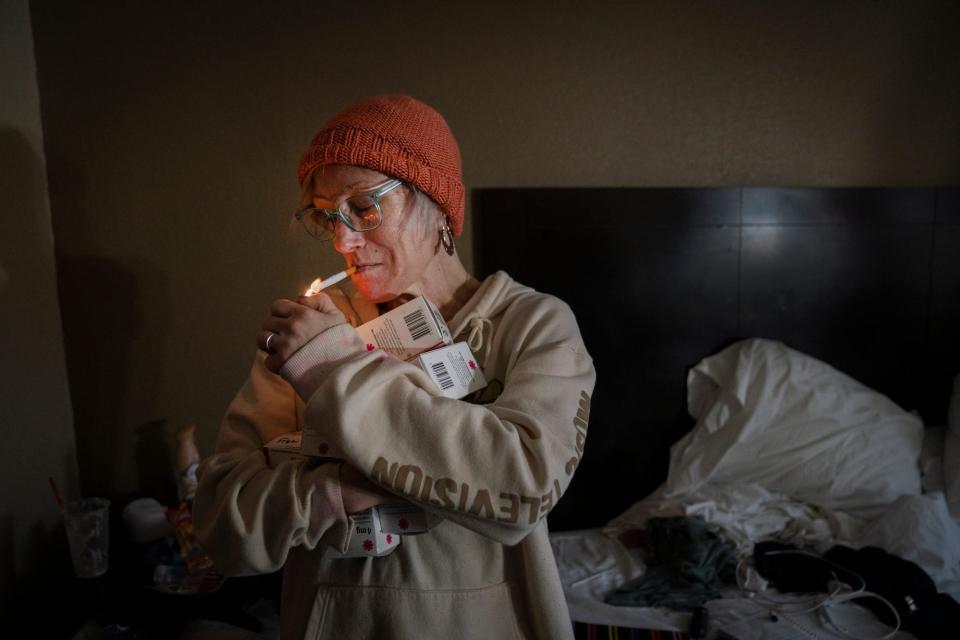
492 467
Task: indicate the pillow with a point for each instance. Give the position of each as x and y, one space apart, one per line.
951 453
773 416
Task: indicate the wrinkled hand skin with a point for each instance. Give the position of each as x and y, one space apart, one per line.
295 323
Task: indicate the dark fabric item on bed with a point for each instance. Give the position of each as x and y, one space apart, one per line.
793 570
923 612
586 631
687 564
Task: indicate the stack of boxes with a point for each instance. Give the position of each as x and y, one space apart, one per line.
414 332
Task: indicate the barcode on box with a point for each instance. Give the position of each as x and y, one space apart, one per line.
407 331
443 378
417 324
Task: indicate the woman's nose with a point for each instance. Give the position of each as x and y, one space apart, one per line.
345 239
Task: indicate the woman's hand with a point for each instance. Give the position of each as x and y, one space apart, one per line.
358 493
292 324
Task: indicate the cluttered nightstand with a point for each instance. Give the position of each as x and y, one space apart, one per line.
148 593
137 572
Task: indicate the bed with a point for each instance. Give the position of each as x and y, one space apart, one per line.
777 363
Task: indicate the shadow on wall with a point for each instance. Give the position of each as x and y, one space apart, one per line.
106 336
34 409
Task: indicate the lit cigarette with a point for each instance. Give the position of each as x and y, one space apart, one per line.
320 284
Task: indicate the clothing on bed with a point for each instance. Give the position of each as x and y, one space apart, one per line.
845 572
687 565
785 448
922 610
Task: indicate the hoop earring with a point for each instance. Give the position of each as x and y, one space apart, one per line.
446 239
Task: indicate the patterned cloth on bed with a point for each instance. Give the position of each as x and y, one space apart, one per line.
687 565
586 631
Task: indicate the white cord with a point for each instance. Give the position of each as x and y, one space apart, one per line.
827 617
811 603
820 604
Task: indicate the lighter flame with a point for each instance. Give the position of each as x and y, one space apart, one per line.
314 288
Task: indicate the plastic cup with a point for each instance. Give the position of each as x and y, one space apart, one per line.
88 533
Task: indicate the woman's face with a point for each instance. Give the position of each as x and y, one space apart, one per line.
393 258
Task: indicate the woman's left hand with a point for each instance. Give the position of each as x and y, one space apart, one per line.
292 324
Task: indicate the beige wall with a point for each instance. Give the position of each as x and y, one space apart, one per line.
173 136
36 424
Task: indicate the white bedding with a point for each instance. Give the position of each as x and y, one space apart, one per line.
772 416
786 448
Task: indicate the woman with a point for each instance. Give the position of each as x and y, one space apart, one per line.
383 179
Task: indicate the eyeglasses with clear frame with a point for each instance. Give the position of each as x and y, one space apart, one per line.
360 212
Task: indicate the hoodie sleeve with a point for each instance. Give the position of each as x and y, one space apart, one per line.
248 516
495 468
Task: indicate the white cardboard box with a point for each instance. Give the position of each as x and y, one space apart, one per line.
367 538
405 518
315 445
407 331
454 370
284 447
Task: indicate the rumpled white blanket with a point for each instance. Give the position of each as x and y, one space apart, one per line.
775 417
788 448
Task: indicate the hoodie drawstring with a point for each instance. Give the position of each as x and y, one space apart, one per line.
476 340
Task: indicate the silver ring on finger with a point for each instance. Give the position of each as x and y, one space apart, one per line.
266 344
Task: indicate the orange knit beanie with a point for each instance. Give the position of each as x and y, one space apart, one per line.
399 136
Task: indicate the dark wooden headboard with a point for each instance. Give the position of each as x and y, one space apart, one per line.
867 280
